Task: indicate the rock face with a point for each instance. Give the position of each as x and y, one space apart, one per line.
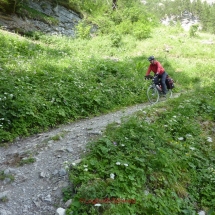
67 20
187 19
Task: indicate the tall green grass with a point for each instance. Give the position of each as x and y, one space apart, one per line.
55 79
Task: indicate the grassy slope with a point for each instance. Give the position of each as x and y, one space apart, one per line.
44 80
167 149
166 153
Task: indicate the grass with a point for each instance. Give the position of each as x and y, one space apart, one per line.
162 157
3 176
45 79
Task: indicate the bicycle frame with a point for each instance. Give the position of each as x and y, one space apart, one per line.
154 91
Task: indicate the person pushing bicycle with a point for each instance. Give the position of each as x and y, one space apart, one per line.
159 72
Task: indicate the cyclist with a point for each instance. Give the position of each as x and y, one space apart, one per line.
159 72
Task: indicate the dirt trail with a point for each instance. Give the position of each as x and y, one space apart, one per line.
37 188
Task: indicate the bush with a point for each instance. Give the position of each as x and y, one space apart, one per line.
83 30
141 30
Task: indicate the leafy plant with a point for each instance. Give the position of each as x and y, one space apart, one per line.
83 30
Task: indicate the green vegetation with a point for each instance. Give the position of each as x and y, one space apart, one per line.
160 160
45 81
26 11
3 176
204 11
4 199
28 160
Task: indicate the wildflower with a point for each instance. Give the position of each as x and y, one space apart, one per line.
85 166
118 163
180 138
146 192
74 164
97 205
86 169
192 148
174 116
114 143
112 176
188 135
165 125
209 139
122 145
125 164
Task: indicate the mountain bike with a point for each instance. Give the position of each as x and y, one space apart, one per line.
154 91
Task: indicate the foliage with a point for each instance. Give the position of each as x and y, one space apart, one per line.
158 161
201 9
31 13
83 30
4 176
44 81
164 162
193 30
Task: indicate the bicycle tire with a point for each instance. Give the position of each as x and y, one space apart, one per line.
169 94
153 95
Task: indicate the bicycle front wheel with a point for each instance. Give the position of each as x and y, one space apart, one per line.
153 95
169 94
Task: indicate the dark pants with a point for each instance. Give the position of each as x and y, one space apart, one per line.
162 78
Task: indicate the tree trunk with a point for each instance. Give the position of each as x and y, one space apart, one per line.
114 5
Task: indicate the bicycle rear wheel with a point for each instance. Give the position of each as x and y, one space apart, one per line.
153 95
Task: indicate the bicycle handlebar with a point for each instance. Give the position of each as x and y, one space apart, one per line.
147 77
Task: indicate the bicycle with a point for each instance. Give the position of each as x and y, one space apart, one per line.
154 91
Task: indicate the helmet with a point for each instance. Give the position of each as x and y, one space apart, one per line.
151 58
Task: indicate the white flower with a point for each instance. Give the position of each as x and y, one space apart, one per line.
209 139
125 164
192 148
85 166
97 205
188 135
180 138
146 192
74 164
122 145
112 176
201 213
174 116
86 169
165 125
118 163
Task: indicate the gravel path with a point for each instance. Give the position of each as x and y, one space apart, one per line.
37 187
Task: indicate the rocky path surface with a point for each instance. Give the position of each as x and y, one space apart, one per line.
37 186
